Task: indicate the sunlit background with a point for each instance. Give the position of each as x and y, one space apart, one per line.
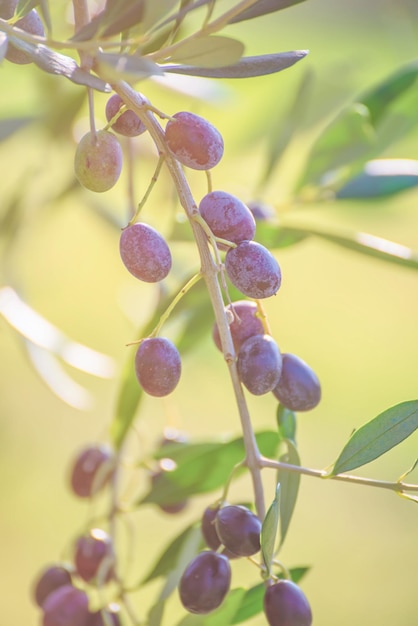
351 317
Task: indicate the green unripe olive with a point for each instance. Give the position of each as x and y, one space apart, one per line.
98 161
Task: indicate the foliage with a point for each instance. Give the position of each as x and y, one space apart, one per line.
126 43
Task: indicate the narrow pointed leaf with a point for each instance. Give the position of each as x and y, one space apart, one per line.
126 67
130 393
269 530
209 52
202 468
264 7
170 554
273 235
156 11
348 138
381 177
378 436
188 550
56 378
55 63
367 244
289 488
380 98
12 125
116 17
156 613
282 132
224 615
24 6
286 422
179 16
40 332
252 602
365 128
247 67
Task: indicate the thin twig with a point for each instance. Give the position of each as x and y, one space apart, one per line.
210 271
348 478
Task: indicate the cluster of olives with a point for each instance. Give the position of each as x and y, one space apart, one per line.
60 588
262 367
250 267
230 532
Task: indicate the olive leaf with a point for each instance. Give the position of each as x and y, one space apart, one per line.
126 66
269 530
263 7
378 436
209 52
247 67
59 64
381 177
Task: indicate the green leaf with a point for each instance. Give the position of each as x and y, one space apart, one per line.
263 7
378 436
189 549
269 530
380 98
252 602
170 555
10 126
289 488
172 564
364 129
286 421
209 52
130 393
202 468
156 11
224 615
116 17
282 132
24 6
348 138
247 67
129 397
125 67
156 613
251 605
367 244
381 177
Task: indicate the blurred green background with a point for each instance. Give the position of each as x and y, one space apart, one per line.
352 318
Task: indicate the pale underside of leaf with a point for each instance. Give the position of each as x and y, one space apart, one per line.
3 45
59 64
264 7
247 67
125 67
43 334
